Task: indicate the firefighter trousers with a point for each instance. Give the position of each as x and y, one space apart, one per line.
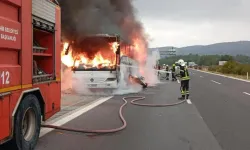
173 77
185 88
167 75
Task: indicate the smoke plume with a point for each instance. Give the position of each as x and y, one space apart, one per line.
84 17
124 87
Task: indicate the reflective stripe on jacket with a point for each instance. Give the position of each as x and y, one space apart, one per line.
184 73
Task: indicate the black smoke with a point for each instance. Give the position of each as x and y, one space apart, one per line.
84 17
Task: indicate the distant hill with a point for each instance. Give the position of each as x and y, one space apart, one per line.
229 48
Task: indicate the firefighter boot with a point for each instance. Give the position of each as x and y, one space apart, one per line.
187 96
182 97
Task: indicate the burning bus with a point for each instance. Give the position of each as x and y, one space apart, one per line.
96 64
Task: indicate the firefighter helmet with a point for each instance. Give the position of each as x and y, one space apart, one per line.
183 64
181 61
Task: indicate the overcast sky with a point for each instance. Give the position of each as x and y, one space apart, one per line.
194 22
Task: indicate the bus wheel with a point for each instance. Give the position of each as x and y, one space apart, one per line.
27 123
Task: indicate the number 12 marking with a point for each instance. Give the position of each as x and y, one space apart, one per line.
5 77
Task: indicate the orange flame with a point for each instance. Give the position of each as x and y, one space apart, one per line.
67 59
98 61
140 53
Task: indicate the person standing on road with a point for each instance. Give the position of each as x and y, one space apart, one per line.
167 72
173 73
184 75
159 68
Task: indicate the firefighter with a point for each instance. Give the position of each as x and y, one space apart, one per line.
184 75
173 72
167 72
159 68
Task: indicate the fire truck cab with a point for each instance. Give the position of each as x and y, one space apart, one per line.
30 88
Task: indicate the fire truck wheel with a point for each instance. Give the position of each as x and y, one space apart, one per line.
27 123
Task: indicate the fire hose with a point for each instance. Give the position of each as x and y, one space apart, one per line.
106 131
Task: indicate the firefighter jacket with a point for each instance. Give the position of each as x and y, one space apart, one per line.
184 74
173 68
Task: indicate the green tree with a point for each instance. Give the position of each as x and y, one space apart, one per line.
226 58
206 60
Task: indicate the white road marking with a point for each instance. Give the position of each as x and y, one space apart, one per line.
178 81
201 76
189 101
223 76
72 116
71 105
215 82
246 93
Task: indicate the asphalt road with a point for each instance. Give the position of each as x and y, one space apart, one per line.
175 128
224 104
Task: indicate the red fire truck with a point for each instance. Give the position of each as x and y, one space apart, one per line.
30 88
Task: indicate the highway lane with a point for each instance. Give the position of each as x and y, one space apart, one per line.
224 107
229 86
239 85
180 127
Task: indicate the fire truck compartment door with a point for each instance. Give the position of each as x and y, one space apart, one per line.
4 117
44 9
